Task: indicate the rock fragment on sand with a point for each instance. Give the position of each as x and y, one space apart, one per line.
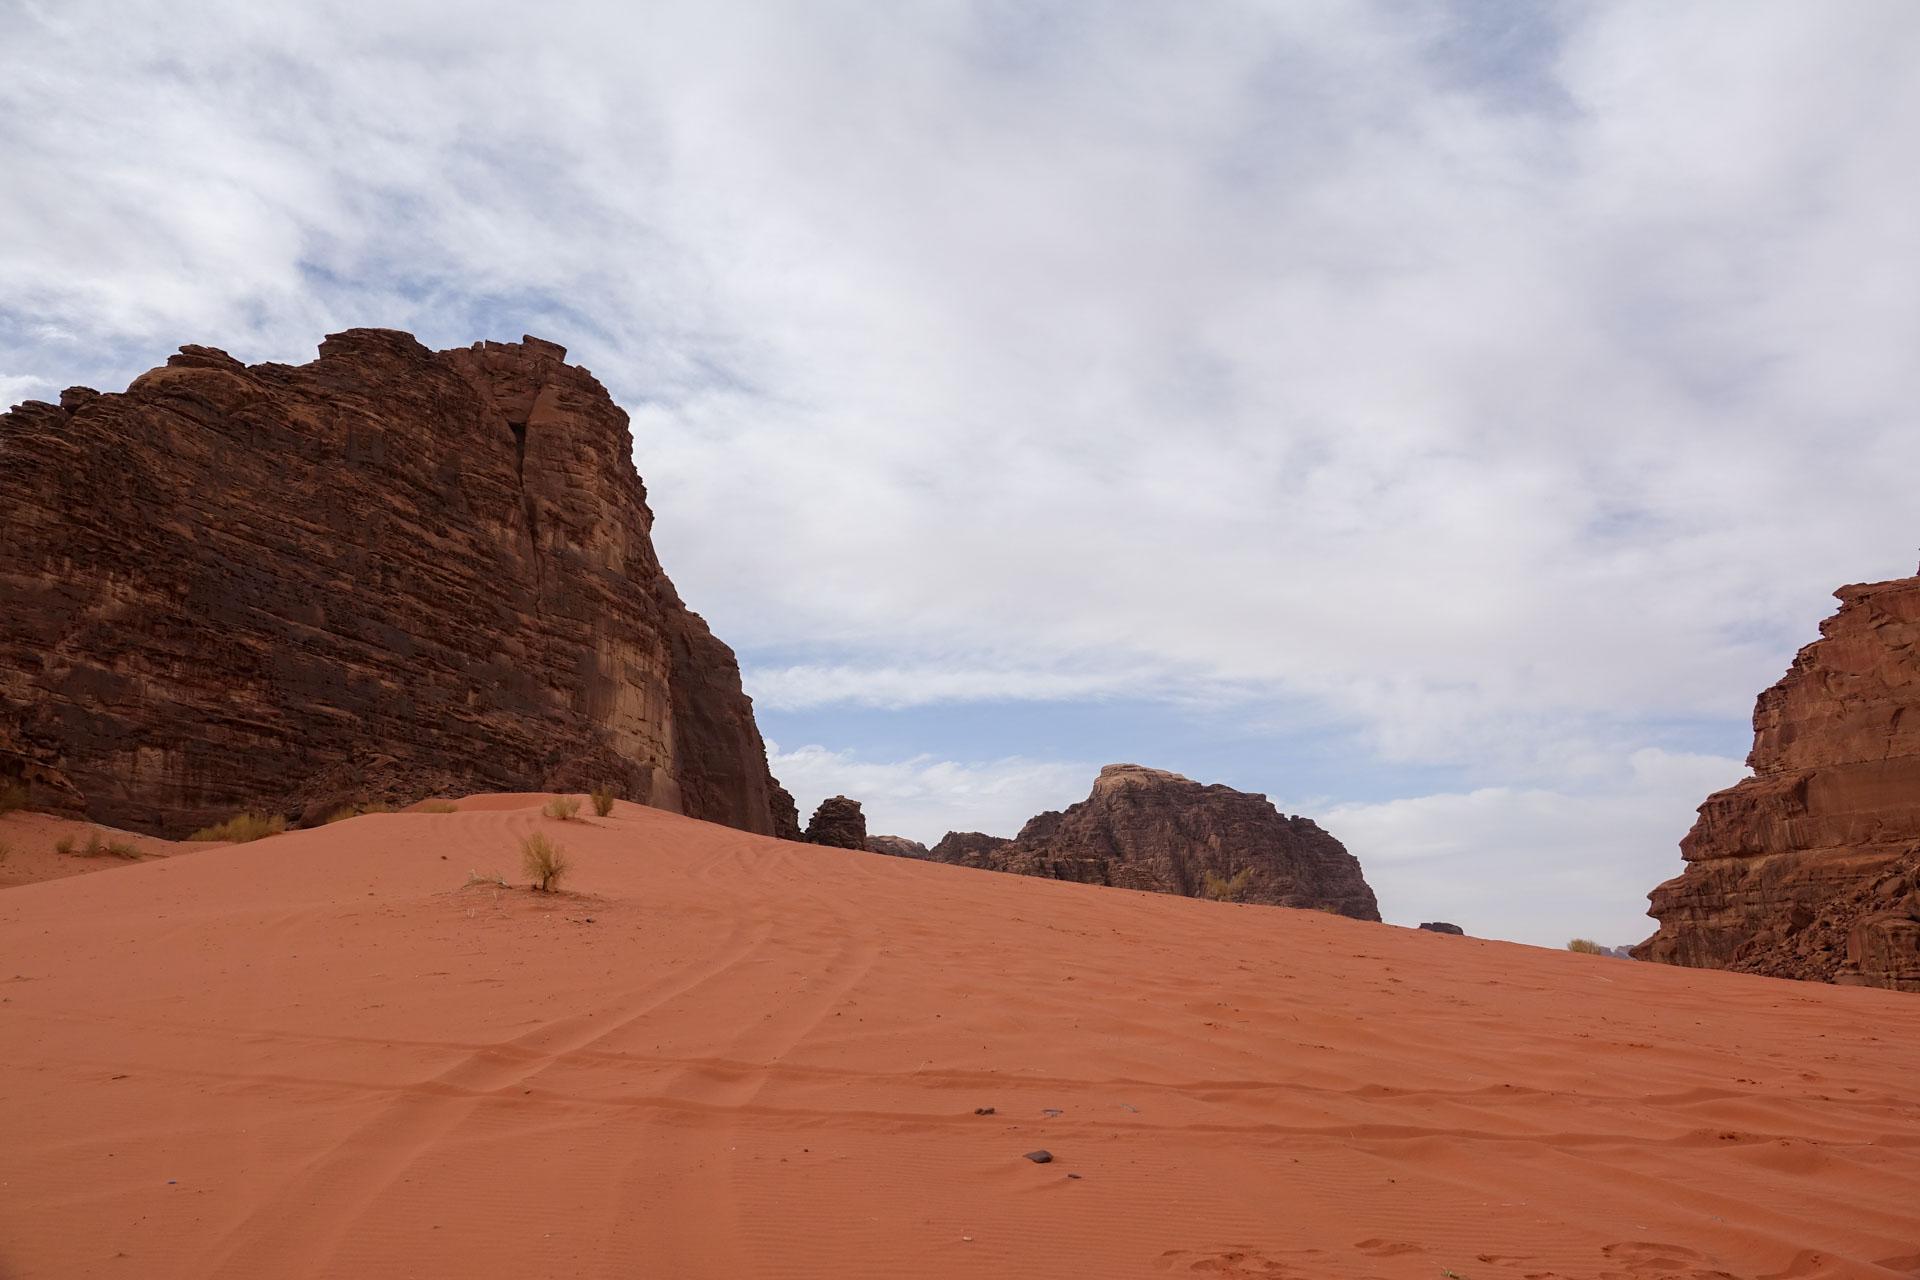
1040 1157
983 1111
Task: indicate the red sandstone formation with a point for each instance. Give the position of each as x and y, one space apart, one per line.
1811 868
898 847
838 822
1150 829
384 574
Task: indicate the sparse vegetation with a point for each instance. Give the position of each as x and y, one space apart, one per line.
495 881
98 846
241 828
565 808
1586 947
6 851
1222 889
545 861
437 806
13 796
355 811
603 799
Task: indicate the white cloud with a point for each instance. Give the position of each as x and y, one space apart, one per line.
1535 865
923 798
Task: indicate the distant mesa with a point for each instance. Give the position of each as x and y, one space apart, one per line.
1149 829
898 847
385 574
1811 868
838 822
1441 926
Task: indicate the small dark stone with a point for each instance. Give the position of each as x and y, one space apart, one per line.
1040 1157
1074 1176
983 1111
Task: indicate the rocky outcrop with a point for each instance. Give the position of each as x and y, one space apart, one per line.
388 573
1808 868
968 848
1149 829
898 847
838 822
1441 926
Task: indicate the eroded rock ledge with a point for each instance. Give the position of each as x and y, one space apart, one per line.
1811 868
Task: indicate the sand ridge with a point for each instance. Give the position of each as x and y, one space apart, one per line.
327 1054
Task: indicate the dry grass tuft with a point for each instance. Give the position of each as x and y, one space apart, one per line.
603 799
545 861
63 845
1586 947
241 828
99 847
437 806
355 811
1221 889
565 808
6 851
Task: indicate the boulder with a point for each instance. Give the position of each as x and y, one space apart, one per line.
838 822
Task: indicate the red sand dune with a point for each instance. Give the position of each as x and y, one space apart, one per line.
721 1055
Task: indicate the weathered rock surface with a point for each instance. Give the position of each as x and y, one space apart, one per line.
387 573
898 847
838 822
1441 926
1149 829
1808 868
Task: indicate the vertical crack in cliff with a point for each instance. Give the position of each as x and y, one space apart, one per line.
519 430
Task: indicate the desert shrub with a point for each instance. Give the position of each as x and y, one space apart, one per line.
545 861
1586 947
1222 889
13 796
114 848
437 806
242 827
603 798
565 808
355 811
6 851
63 845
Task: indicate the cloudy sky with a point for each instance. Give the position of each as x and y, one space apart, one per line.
1442 418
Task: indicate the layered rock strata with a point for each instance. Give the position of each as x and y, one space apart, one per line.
386 573
1811 867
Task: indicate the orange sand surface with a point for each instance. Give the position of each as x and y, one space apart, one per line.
322 1054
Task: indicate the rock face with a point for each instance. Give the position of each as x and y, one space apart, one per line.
384 574
1150 829
1811 868
838 822
1441 926
898 847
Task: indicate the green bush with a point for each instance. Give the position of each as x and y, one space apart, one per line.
241 828
545 861
1586 947
565 808
603 799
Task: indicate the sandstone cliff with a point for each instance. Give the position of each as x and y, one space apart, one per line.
1150 829
1811 868
385 573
